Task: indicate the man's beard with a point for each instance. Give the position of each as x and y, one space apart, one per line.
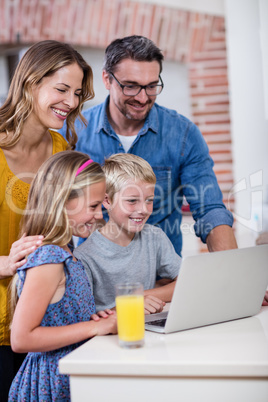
132 115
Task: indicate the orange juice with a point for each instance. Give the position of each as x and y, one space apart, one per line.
130 317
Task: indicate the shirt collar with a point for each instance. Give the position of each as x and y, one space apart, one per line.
103 123
151 121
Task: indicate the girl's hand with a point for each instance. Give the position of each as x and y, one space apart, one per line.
107 325
102 313
153 305
19 250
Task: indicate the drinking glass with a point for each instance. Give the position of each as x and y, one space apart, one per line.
130 314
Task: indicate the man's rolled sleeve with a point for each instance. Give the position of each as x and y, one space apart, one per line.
213 218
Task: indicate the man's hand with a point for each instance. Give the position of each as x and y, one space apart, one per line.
265 300
262 239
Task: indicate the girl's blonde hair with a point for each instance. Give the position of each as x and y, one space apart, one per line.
41 60
120 168
54 184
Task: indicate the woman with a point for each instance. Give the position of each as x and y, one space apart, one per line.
50 85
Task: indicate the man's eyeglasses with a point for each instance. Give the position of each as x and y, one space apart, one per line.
133 90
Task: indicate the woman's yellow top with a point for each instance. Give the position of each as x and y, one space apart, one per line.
13 198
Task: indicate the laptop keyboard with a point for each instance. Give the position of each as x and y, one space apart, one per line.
158 323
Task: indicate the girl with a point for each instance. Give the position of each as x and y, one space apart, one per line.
50 85
52 316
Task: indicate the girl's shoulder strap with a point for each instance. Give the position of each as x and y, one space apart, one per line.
47 254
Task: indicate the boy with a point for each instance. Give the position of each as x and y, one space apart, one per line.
126 249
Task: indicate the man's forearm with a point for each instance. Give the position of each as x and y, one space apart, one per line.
221 238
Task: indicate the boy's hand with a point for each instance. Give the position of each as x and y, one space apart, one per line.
102 314
153 305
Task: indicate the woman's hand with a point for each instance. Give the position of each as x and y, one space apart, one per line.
18 252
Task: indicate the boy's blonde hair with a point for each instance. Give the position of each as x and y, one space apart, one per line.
120 168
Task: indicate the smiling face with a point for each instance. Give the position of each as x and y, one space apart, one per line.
85 210
129 210
56 96
130 72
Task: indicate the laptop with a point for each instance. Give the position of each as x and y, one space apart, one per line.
213 288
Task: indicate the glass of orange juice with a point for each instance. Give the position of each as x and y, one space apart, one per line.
130 314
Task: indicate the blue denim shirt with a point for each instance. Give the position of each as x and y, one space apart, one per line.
179 156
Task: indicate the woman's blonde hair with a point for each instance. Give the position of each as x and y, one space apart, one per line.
54 184
120 168
41 60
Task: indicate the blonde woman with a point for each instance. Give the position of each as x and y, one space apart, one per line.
50 85
52 316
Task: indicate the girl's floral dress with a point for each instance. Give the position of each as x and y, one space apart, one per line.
39 379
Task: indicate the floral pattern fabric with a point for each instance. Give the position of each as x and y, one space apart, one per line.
38 379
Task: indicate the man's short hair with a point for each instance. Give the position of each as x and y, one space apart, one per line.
120 168
135 47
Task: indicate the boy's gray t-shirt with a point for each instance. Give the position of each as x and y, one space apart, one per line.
149 254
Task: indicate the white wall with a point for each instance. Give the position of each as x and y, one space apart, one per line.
263 10
176 92
3 78
214 7
249 123
94 57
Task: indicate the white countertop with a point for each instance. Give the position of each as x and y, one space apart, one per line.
236 348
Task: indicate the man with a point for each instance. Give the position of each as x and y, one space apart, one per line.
130 121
